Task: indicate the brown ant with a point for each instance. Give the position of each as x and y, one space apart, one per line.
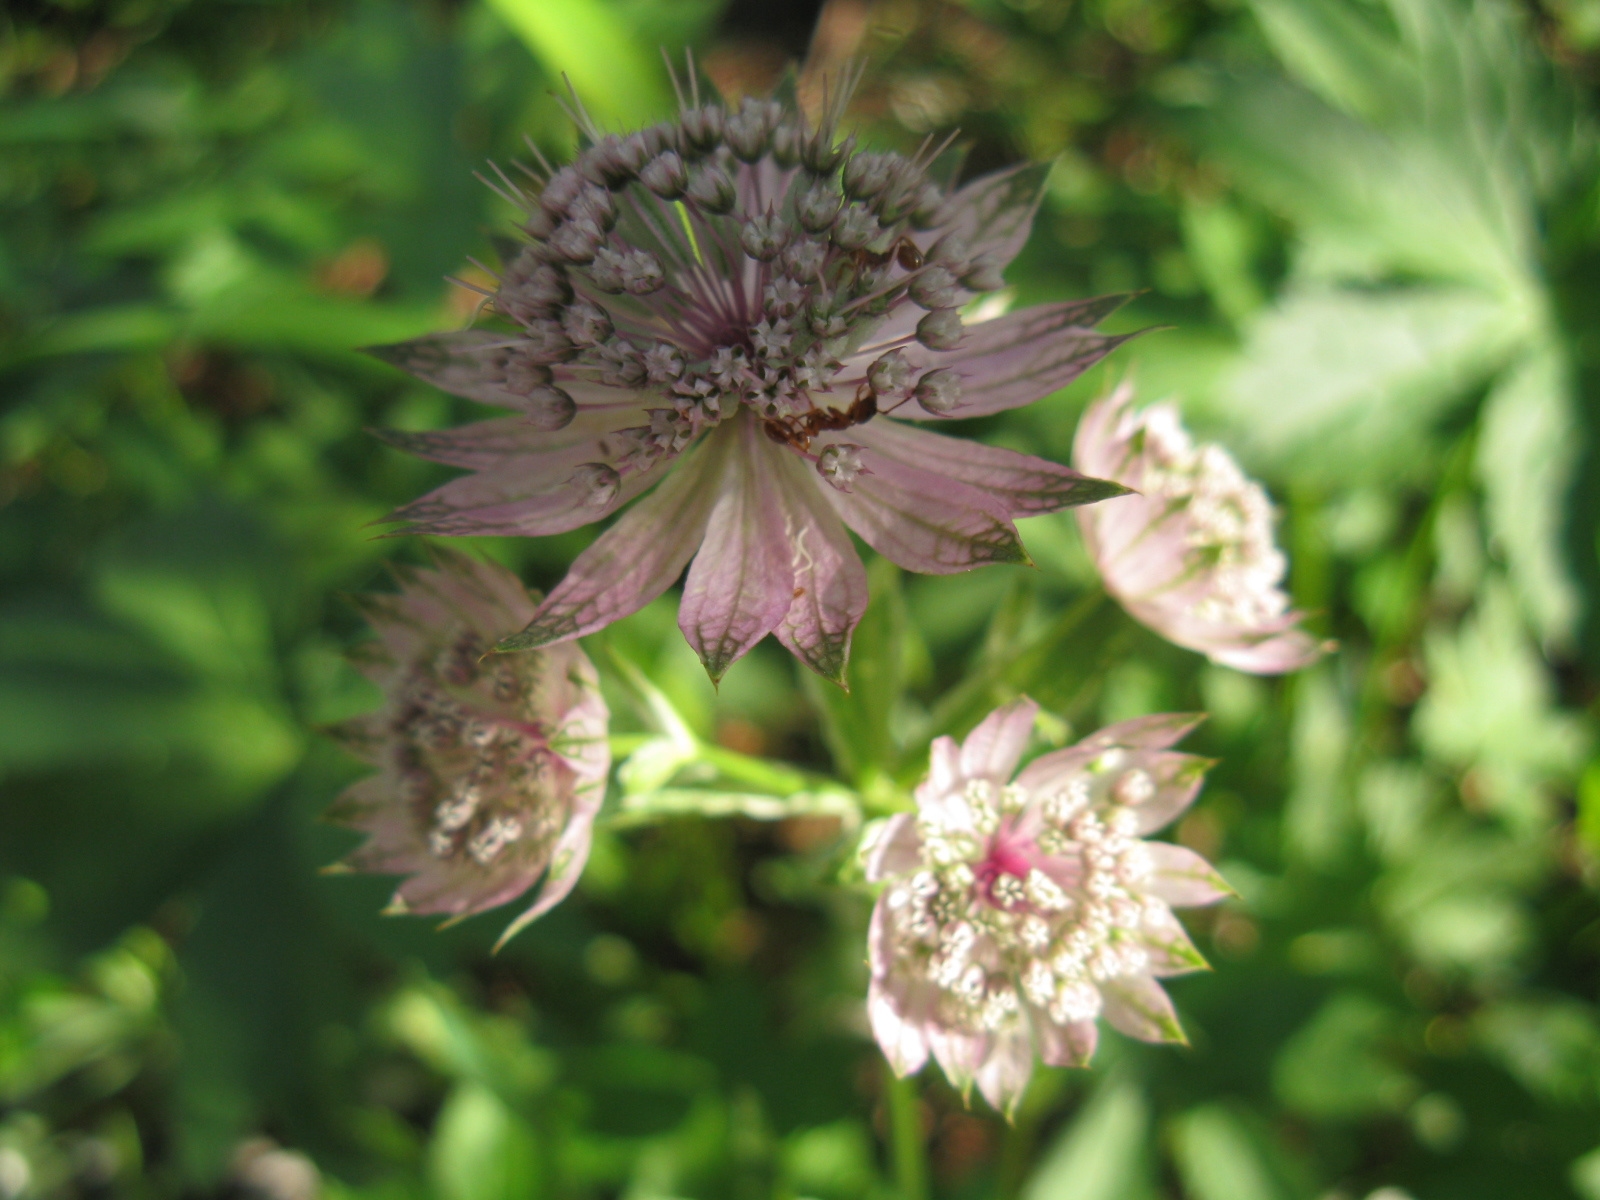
797 432
903 250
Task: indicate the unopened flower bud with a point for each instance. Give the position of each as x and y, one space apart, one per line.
840 464
666 175
549 408
941 329
817 207
939 391
933 287
763 236
710 188
890 376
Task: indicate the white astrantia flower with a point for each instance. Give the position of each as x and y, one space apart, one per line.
1191 554
1019 910
733 318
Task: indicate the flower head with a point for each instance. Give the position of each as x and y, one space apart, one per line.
742 312
1192 555
1018 911
489 770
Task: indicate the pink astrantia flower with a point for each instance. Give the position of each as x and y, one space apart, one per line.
489 771
1019 910
1192 555
744 314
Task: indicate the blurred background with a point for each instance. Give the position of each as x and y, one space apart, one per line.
1371 229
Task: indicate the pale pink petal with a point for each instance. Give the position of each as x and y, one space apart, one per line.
902 1042
1182 878
1021 483
1155 732
1049 771
1137 1006
1278 655
1171 951
1069 1045
923 522
894 849
993 749
1025 355
1177 778
741 583
1003 1076
830 586
631 563
567 861
959 1054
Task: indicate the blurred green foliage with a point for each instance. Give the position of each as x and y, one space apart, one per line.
1373 227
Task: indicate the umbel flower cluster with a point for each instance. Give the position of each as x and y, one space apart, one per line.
489 771
1018 910
743 312
730 322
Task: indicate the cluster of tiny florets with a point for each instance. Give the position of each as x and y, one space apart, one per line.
1228 520
475 779
731 256
990 929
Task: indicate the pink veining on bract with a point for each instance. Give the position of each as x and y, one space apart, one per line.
1019 907
729 320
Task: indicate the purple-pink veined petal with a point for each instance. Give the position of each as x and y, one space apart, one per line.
1004 1073
634 561
464 364
924 522
1069 1045
483 445
895 849
901 1041
1138 1006
830 586
1018 358
1021 483
994 213
1182 878
993 749
459 509
741 583
944 766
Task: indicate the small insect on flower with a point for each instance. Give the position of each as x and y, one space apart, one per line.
743 312
1192 555
490 770
1018 911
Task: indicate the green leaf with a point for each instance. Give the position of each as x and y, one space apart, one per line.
481 1150
589 42
1222 1156
1338 1064
1339 385
1103 1153
1528 453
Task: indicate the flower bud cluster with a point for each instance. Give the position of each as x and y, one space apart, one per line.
733 256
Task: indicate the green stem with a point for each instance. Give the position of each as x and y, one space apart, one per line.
975 696
905 1137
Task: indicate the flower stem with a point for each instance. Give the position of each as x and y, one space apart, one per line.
905 1137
